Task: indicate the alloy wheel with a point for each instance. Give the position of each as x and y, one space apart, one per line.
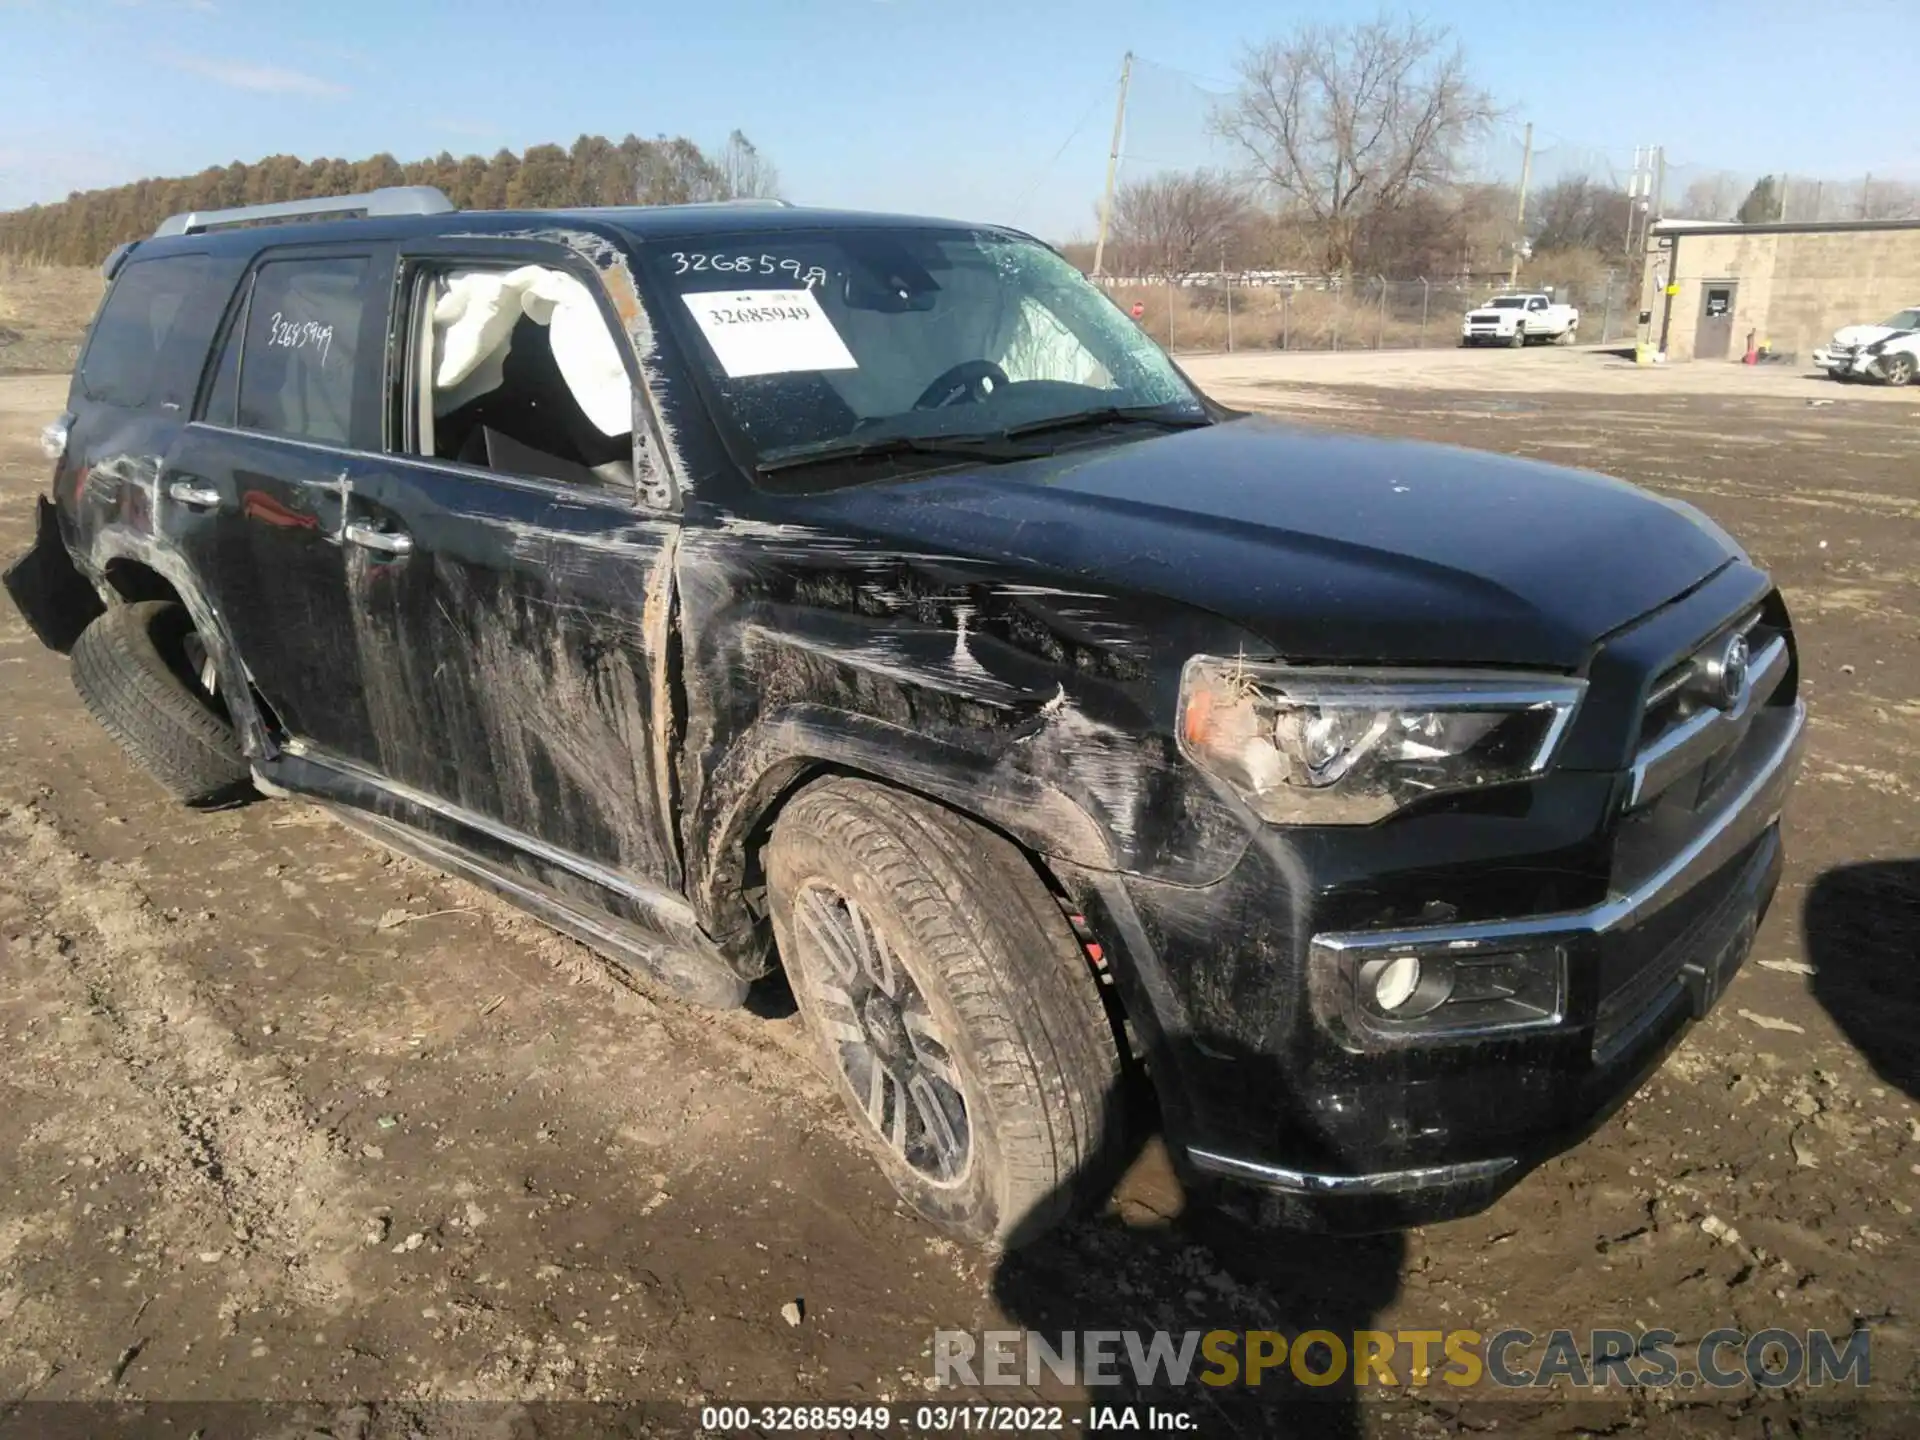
893 1053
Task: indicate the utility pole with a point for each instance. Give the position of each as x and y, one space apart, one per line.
1226 287
1113 166
1526 172
1633 198
1866 197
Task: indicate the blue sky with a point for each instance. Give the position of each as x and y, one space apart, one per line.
991 109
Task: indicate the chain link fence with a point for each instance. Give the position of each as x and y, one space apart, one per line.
1209 313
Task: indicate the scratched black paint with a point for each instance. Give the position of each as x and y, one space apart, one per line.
598 701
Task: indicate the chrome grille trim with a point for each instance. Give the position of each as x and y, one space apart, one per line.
1701 734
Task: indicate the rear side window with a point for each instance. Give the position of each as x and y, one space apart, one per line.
302 333
128 360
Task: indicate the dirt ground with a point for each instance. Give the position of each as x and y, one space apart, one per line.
286 1118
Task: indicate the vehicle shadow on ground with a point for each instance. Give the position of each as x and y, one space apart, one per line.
1863 940
1163 1257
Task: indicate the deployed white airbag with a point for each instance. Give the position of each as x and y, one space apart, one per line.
473 325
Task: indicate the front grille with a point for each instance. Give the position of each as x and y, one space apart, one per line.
1695 734
1679 693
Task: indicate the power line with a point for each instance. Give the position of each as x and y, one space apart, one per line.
1041 174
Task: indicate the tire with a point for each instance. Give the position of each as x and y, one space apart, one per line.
1897 369
131 669
993 1025
1519 339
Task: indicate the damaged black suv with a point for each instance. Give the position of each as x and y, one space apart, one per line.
743 588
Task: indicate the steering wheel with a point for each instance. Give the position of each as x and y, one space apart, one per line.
966 381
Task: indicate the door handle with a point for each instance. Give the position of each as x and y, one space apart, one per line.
195 497
386 542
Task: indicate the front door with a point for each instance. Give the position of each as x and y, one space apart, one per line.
255 490
512 606
1714 339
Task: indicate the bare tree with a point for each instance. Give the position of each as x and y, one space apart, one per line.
1712 196
1179 223
1345 121
1577 212
747 174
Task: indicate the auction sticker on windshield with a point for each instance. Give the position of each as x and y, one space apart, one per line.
769 332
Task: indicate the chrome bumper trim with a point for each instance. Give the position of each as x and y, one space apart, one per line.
1380 1182
1743 818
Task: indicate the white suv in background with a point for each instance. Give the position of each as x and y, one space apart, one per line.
1889 353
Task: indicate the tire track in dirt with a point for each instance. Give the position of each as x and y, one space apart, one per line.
235 1127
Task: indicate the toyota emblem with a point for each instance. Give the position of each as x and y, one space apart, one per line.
1733 672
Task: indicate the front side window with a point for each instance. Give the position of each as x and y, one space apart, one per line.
518 371
123 360
302 335
819 342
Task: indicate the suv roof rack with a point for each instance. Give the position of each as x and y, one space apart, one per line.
390 200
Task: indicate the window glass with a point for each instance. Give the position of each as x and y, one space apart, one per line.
302 334
223 393
122 364
522 375
820 338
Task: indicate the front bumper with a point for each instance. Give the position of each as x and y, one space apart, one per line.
1844 362
1672 944
1238 988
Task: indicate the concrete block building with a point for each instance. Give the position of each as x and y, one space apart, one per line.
1709 285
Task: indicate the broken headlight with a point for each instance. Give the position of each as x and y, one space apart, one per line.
1348 747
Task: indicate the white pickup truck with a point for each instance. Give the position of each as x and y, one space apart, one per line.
1515 319
1889 352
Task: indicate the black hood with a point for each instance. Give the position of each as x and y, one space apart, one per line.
1330 547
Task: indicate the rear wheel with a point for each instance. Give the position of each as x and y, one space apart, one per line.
952 1007
146 677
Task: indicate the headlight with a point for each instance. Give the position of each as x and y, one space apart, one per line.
1348 747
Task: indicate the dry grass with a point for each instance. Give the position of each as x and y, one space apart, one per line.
44 312
1274 319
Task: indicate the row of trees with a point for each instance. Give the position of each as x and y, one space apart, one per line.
1352 147
667 170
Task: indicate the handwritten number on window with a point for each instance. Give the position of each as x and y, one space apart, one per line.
697 262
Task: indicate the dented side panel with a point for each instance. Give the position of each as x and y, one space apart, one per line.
1040 706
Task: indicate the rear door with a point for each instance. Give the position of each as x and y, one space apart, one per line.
260 484
513 634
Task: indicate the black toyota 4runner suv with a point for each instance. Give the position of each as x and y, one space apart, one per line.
741 587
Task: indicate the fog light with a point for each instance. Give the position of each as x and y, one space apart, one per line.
1396 981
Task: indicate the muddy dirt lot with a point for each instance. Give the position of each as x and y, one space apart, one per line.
286 1118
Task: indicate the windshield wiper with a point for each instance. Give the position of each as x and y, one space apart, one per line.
1106 415
958 447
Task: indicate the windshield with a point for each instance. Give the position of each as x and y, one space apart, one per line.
828 341
1510 302
1905 320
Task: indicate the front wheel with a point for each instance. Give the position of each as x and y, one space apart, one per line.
1897 369
952 1006
1519 339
